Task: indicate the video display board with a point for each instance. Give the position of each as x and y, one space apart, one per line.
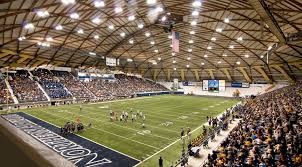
213 85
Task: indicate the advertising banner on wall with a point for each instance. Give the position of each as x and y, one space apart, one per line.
205 85
221 85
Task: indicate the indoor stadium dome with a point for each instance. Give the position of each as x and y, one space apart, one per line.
147 83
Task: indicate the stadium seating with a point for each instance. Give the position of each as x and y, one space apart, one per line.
269 134
3 93
25 89
54 88
77 89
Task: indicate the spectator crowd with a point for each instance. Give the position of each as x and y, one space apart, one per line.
269 134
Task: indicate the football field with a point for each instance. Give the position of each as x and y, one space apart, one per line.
165 116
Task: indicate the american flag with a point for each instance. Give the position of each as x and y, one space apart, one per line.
175 41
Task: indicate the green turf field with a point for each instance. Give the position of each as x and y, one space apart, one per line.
165 116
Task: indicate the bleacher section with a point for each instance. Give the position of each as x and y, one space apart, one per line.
3 93
76 88
25 89
54 88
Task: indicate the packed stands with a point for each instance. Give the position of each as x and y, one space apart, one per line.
3 93
269 134
122 86
25 89
54 88
77 89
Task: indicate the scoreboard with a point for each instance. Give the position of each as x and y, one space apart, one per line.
213 85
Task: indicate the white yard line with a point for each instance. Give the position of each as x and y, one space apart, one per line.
104 102
89 139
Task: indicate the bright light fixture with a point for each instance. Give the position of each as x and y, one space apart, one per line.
269 48
173 53
261 56
224 55
96 20
96 37
154 63
129 60
218 30
209 47
111 27
189 58
193 23
156 50
21 38
170 36
174 61
67 2
164 18
192 32
219 62
202 63
131 18
188 65
74 16
59 27
152 42
174 69
196 3
122 34
159 58
191 41
42 13
189 50
205 56
226 20
80 31
238 62
29 26
147 34
118 9
131 41
159 9
151 2
92 53
231 47
99 4
239 39
140 26
213 39
246 56
49 39
195 13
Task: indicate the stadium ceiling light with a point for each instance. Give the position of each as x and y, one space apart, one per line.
151 2
239 39
205 56
173 53
147 34
111 27
219 62
189 58
261 56
159 58
42 13
49 39
238 62
152 42
122 34
131 41
202 63
196 3
164 18
171 45
99 4
174 69
192 32
74 16
193 23
209 47
96 20
44 44
246 56
154 63
80 31
170 36
92 53
218 30
96 37
21 38
29 26
118 9
191 41
156 50
67 2
159 9
224 55
213 39
189 50
59 27
174 61
269 48
231 47
188 66
195 13
131 18
129 60
226 20
140 26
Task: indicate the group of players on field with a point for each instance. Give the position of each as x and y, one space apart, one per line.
125 116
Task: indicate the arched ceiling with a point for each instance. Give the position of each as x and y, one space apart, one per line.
73 48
